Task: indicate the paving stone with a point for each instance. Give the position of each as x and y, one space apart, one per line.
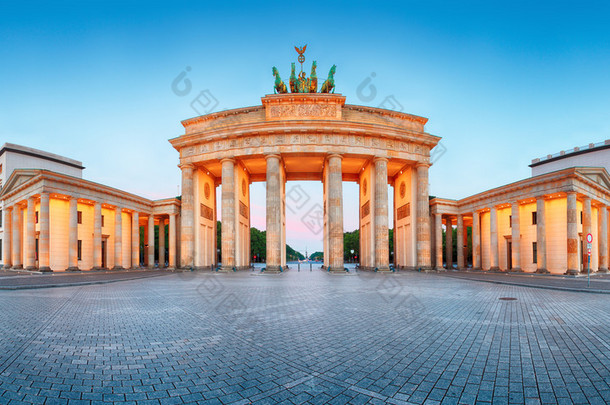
303 337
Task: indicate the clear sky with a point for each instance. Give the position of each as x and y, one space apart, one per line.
501 82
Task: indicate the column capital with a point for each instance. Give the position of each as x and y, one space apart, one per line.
184 166
380 158
272 155
334 155
8 209
422 164
232 160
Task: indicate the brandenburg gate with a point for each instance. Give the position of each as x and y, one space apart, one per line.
305 135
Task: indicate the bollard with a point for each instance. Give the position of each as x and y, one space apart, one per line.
310 267
299 266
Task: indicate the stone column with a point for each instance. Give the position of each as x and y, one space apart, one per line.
151 241
187 225
16 242
476 241
274 214
118 239
172 241
135 240
603 238
382 247
73 234
97 235
423 217
43 240
493 244
8 235
587 219
449 242
335 213
228 215
438 240
161 243
30 235
572 242
541 235
515 237
460 242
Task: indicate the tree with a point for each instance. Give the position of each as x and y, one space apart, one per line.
317 256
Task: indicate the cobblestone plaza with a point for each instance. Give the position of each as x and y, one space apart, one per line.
303 337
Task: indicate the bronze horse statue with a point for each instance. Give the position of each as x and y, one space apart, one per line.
293 80
313 78
280 86
329 84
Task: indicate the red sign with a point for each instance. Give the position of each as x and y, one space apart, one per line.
589 238
589 252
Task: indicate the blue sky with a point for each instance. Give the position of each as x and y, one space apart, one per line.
501 82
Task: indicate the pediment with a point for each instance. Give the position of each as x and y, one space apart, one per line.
17 178
598 175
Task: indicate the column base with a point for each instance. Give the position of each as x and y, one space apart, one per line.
273 269
97 268
602 270
45 269
118 268
542 271
72 269
495 268
17 267
384 269
572 272
517 270
336 269
31 268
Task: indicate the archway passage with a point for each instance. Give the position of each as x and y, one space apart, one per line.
305 137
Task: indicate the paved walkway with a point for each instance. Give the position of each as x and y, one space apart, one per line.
599 283
11 280
307 337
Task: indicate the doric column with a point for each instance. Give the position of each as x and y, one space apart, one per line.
493 245
572 242
228 215
135 240
172 241
8 236
16 242
382 247
30 235
161 243
603 238
423 217
274 214
587 220
118 239
335 213
515 237
97 235
43 239
151 241
541 235
438 240
72 234
460 242
476 241
187 225
449 242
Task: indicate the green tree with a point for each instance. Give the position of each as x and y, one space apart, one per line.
317 256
